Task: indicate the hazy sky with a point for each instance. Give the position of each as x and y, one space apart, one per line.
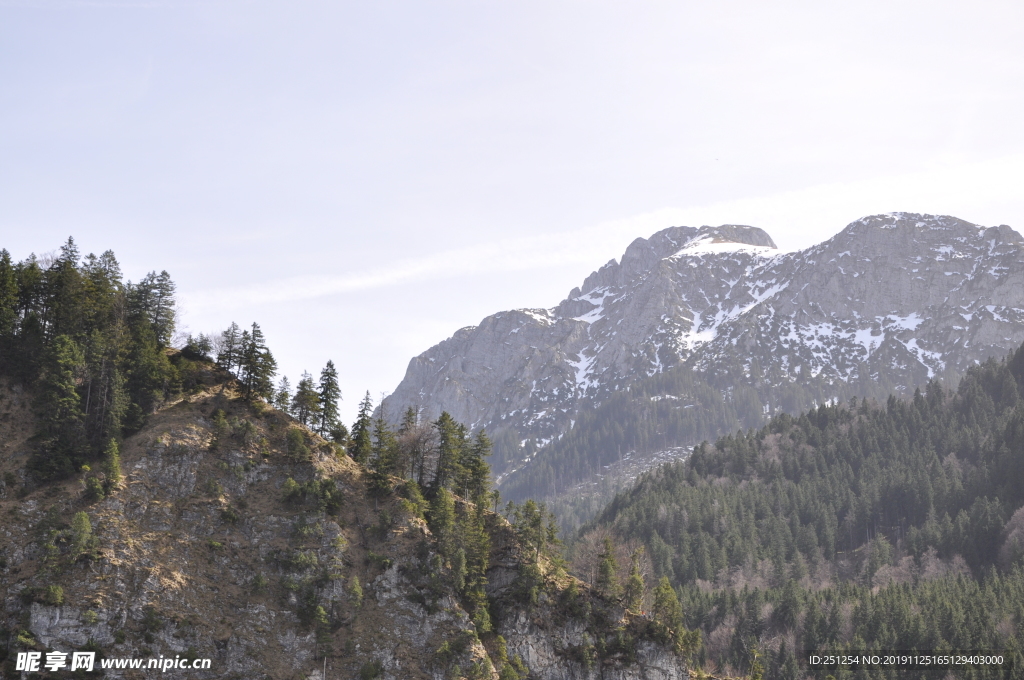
363 178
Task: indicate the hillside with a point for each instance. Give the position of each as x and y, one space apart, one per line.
894 526
697 332
157 508
233 539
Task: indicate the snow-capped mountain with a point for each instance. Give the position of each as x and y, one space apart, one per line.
885 305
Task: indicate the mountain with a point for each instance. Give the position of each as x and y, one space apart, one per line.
697 332
236 535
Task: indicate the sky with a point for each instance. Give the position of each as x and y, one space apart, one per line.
364 178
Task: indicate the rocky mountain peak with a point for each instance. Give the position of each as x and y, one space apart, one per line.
885 305
736 233
643 254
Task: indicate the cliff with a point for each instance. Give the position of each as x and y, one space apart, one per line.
237 535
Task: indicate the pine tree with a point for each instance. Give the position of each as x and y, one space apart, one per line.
306 402
63 419
410 419
451 442
283 396
257 366
8 306
83 541
382 458
163 308
667 610
63 314
153 299
112 466
329 396
230 349
474 472
441 518
362 438
634 591
528 521
607 572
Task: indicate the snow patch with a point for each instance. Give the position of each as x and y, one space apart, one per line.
583 367
708 245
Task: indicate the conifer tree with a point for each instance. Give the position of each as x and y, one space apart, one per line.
410 419
8 305
163 308
451 443
667 610
82 539
477 545
362 436
152 299
61 408
474 473
441 518
607 572
283 395
382 457
528 521
230 349
384 445
257 366
634 590
112 466
329 396
306 402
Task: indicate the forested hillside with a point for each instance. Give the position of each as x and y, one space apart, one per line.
658 413
174 503
853 526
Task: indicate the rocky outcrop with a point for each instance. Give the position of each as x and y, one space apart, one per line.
225 542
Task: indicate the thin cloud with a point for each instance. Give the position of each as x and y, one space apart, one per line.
795 219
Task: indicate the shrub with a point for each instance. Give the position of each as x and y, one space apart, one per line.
379 560
229 515
456 647
291 491
296 444
260 583
94 489
214 488
82 540
412 499
371 670
53 596
355 591
221 430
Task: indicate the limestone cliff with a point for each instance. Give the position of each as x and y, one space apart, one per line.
232 538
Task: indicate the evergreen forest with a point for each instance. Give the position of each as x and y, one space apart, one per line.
854 526
670 410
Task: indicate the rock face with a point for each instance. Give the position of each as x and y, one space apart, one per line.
225 542
887 304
